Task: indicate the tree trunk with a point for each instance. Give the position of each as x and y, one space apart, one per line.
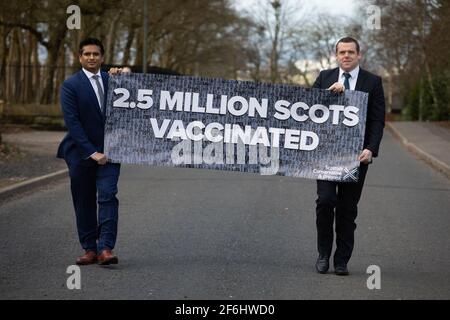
60 71
421 99
109 54
4 51
16 85
49 72
430 81
53 50
389 92
139 48
27 68
274 53
36 77
127 49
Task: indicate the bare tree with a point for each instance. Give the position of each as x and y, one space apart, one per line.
276 19
406 49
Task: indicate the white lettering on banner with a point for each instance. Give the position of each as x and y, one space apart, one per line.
236 105
164 120
292 137
321 118
166 100
233 133
190 130
177 130
216 127
294 113
284 113
350 112
239 106
261 137
159 131
209 105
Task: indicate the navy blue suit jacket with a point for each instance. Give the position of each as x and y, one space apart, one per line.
83 118
372 84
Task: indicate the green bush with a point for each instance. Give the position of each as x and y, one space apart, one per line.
430 111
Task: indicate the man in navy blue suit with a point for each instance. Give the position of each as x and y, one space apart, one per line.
337 202
93 180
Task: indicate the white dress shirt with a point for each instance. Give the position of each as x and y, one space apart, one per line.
94 85
352 80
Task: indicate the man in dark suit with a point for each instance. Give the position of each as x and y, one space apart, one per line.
92 179
338 201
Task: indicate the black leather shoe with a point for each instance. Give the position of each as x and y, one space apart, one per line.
341 270
322 264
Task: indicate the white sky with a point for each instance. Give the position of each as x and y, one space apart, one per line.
336 7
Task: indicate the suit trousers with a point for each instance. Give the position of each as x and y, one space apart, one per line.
91 185
337 202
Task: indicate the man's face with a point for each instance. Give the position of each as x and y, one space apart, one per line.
91 58
346 56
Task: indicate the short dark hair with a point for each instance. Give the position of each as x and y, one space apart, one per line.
348 40
91 41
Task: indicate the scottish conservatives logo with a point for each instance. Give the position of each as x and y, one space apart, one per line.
350 174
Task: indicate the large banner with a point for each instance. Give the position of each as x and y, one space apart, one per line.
231 125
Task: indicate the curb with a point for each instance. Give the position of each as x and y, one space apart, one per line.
14 189
435 163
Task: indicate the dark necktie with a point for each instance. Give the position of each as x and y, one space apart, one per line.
346 81
100 91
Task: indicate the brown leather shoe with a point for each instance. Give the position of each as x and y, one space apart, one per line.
107 257
89 257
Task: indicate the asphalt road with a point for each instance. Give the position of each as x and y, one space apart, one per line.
199 234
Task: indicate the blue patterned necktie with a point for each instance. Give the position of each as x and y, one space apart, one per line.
100 91
347 82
